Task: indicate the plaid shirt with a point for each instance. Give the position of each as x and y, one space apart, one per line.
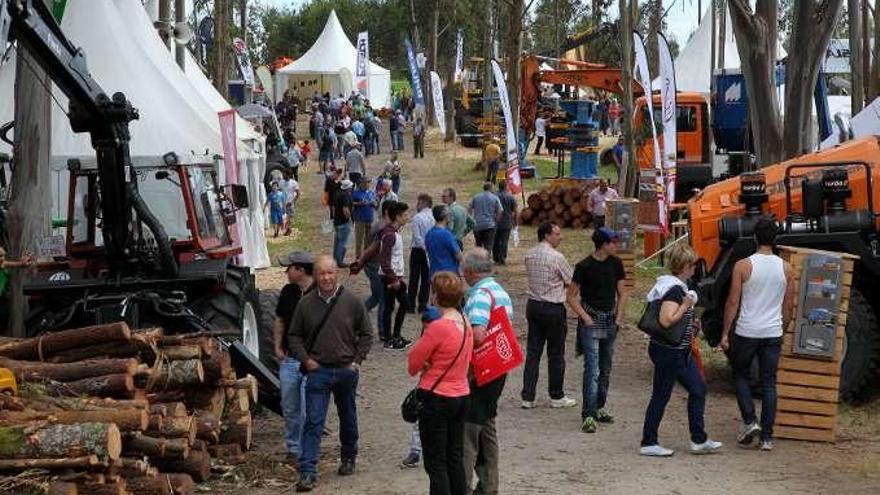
603 321
548 272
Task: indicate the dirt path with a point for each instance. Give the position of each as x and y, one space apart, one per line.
543 450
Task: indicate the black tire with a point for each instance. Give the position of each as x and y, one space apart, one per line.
236 308
268 303
861 359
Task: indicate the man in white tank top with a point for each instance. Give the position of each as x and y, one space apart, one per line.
759 306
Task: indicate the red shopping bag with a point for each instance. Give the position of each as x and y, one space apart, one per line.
500 351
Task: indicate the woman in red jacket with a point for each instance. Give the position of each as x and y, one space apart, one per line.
442 355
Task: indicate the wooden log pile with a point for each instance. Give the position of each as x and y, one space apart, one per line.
567 206
105 409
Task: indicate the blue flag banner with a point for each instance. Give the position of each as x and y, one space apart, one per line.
414 74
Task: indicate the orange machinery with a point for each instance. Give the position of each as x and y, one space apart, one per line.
826 200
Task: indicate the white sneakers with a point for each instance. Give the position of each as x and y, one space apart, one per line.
747 434
554 403
708 447
563 402
656 451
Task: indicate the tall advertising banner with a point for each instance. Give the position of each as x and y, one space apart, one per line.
644 78
514 181
437 93
244 61
416 79
230 158
669 104
459 55
362 69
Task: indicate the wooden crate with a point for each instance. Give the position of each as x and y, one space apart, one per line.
808 387
629 266
621 216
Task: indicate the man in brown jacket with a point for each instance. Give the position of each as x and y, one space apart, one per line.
331 335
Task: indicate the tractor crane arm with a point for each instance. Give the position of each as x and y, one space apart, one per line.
106 119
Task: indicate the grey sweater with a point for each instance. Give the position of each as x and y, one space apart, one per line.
346 336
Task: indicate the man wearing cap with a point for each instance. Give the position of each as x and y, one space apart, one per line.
597 294
298 268
342 207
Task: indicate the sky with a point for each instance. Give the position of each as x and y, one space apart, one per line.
681 18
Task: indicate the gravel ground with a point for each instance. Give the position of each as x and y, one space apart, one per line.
543 450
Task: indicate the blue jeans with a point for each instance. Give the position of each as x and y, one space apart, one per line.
293 398
670 366
598 356
340 241
395 183
398 137
377 297
342 383
767 351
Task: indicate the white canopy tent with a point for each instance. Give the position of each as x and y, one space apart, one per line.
177 113
694 61
329 66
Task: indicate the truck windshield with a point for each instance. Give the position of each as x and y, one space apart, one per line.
206 203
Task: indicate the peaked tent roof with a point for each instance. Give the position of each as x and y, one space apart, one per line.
331 52
693 63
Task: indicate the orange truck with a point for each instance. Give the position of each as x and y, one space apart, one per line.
826 200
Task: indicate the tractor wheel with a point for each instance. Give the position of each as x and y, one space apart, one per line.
861 348
268 303
236 308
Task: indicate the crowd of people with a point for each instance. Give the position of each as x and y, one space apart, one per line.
455 293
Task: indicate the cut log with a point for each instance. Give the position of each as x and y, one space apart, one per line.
199 444
237 400
217 367
137 444
10 403
156 422
212 400
177 374
118 349
167 396
176 427
68 372
49 464
131 467
149 485
62 488
182 352
230 452
120 385
197 464
248 383
181 483
238 428
125 419
116 488
38 348
169 409
22 442
207 426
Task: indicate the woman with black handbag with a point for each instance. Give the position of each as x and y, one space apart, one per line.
673 359
442 356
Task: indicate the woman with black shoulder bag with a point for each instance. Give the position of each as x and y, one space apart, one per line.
672 303
442 356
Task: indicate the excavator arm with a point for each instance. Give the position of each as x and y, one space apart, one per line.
106 119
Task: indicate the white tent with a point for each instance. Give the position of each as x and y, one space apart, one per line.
694 61
176 113
329 66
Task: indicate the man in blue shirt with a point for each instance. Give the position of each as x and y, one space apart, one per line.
444 255
617 151
364 201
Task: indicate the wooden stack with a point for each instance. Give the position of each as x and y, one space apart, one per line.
108 410
808 387
621 216
568 206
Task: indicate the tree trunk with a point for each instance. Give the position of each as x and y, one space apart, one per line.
100 439
875 65
626 118
120 385
488 54
149 485
177 374
124 419
217 367
137 444
813 26
854 11
29 202
432 65
176 427
514 54
68 372
756 43
238 429
221 46
207 426
62 488
655 21
182 352
132 348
